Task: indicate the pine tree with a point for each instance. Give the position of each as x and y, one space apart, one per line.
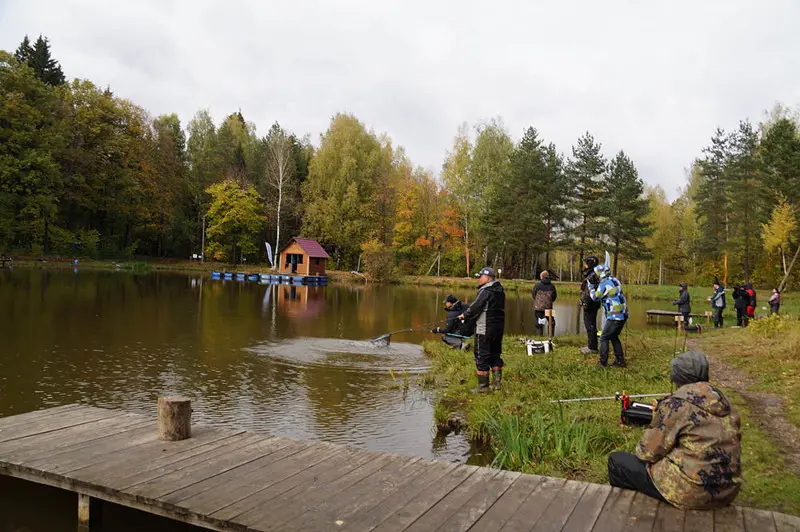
625 208
584 170
24 51
38 58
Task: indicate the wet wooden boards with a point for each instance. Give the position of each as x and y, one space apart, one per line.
224 479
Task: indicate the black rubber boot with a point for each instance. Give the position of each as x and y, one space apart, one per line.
497 378
483 385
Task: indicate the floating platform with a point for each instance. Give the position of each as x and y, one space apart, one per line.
267 278
228 479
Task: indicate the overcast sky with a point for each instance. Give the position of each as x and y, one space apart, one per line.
654 78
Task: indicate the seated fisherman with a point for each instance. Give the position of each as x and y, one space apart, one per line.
689 457
455 332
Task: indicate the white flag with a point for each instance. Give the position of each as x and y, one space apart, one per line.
269 254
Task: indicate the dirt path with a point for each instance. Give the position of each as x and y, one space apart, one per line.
767 409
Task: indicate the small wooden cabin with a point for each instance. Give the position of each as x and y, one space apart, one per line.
303 256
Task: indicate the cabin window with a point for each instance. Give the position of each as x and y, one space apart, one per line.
316 262
294 258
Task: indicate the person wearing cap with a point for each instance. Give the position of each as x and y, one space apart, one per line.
609 293
684 302
690 456
544 294
488 312
455 332
718 303
589 305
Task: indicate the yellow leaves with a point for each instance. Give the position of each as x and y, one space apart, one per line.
777 234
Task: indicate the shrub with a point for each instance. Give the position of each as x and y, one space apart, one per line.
378 261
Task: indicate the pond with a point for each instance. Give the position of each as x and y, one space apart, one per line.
288 360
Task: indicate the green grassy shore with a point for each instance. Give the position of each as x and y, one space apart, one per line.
526 432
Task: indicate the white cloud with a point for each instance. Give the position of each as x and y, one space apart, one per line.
652 78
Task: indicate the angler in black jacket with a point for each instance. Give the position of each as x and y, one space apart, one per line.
590 307
488 312
455 332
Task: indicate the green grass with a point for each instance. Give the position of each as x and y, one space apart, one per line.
766 483
528 433
769 351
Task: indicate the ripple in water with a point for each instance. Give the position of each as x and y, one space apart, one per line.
345 354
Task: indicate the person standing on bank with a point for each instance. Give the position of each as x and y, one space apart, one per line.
752 301
544 295
488 312
718 303
609 293
740 301
590 306
690 456
455 332
775 302
684 303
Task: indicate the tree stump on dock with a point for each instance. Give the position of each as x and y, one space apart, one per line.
174 418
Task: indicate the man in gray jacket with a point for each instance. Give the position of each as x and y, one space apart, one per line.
684 303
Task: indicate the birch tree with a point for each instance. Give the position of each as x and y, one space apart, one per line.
280 173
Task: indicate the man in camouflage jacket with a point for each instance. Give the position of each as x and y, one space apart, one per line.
690 455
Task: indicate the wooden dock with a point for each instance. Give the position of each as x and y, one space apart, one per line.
656 314
224 479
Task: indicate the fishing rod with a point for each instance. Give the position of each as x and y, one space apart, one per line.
616 397
631 412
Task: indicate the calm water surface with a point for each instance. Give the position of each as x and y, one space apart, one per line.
290 361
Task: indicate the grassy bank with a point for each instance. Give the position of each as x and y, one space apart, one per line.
791 301
528 433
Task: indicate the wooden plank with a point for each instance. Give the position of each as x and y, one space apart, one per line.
199 468
474 508
137 479
669 519
588 508
642 516
535 505
614 515
56 422
698 521
49 443
786 523
121 432
729 519
432 476
758 520
289 473
74 457
427 498
145 456
559 510
439 513
295 502
27 417
362 495
214 499
230 479
494 518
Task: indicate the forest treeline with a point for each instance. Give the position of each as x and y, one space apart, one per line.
84 172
